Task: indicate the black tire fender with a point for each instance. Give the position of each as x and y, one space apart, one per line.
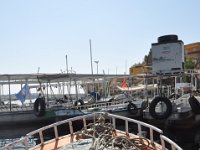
194 104
39 107
132 108
152 108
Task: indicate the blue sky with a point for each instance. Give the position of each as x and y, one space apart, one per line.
40 33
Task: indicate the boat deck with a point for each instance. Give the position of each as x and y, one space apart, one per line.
65 143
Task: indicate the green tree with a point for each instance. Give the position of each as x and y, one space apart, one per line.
189 64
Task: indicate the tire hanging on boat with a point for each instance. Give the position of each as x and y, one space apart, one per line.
194 104
152 108
132 108
39 107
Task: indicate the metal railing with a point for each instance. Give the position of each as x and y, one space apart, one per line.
103 104
127 121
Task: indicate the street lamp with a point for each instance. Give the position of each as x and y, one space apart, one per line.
97 65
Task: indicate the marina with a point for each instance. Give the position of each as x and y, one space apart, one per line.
48 109
99 75
165 100
182 116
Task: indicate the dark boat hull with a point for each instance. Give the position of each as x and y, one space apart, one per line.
184 120
16 124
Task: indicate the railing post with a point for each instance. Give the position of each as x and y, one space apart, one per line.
151 135
56 132
114 123
163 144
126 126
139 129
26 142
84 123
41 137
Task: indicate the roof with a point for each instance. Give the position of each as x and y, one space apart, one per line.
52 77
137 88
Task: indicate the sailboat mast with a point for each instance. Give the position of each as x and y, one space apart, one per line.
91 57
91 62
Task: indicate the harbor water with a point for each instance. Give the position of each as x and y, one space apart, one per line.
187 139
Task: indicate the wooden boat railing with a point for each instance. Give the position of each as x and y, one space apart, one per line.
152 130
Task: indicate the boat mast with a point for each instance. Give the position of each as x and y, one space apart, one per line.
91 63
91 57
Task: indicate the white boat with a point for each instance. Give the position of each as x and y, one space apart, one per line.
98 131
181 113
41 111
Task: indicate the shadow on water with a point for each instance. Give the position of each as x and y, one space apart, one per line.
188 139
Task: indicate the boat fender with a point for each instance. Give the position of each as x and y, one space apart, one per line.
132 108
194 104
39 107
80 101
144 105
164 115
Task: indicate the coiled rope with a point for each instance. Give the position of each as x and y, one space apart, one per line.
104 136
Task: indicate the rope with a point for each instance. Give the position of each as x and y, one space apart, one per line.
104 137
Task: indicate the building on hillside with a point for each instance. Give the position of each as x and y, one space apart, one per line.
139 69
192 51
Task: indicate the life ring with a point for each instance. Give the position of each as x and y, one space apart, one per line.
39 107
79 102
163 115
194 104
132 108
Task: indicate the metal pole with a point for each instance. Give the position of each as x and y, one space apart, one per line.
91 63
125 66
9 91
38 70
97 65
66 64
0 93
76 89
91 57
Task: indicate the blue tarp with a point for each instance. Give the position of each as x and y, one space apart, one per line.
95 95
